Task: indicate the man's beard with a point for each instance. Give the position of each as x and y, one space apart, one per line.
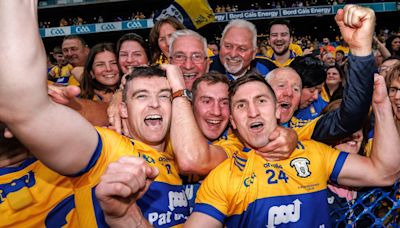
234 69
281 52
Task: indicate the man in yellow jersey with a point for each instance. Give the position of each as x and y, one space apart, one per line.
75 148
280 40
249 191
31 195
76 51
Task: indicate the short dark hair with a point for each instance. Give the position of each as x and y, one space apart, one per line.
340 51
75 37
251 76
280 22
212 77
311 70
145 72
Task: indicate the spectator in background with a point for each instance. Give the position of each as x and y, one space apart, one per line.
189 51
132 51
341 60
280 39
75 50
393 45
238 48
329 59
63 22
393 85
326 46
213 46
343 46
387 65
159 38
380 47
101 76
61 73
333 86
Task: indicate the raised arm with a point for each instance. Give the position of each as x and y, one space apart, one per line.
94 111
356 25
191 148
43 126
383 167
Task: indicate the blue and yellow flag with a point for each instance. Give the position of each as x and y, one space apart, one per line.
194 14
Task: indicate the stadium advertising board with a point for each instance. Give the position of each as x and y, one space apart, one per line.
219 17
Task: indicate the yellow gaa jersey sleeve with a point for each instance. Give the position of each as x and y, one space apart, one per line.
32 195
229 142
248 191
303 130
163 205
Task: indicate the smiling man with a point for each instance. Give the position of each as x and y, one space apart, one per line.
89 149
188 50
280 39
237 52
249 191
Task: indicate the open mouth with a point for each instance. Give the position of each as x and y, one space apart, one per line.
189 75
214 122
109 75
130 67
285 105
256 125
351 143
234 60
153 120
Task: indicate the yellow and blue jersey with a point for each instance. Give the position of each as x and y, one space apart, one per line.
368 146
32 195
230 144
163 205
62 75
271 56
312 111
248 191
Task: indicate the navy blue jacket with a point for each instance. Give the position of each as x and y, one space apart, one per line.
357 97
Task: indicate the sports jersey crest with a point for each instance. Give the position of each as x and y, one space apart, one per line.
301 166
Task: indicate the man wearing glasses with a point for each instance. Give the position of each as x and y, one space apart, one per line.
188 50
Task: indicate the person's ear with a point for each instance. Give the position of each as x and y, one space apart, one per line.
123 110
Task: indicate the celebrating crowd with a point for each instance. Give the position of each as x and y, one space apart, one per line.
178 134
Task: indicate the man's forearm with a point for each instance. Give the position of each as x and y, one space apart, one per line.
94 111
386 145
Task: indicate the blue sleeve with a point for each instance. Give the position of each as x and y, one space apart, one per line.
357 97
338 166
210 210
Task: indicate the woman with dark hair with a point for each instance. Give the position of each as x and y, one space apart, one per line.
159 38
333 86
101 76
132 51
393 45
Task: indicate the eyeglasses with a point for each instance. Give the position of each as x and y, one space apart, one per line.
196 58
393 91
